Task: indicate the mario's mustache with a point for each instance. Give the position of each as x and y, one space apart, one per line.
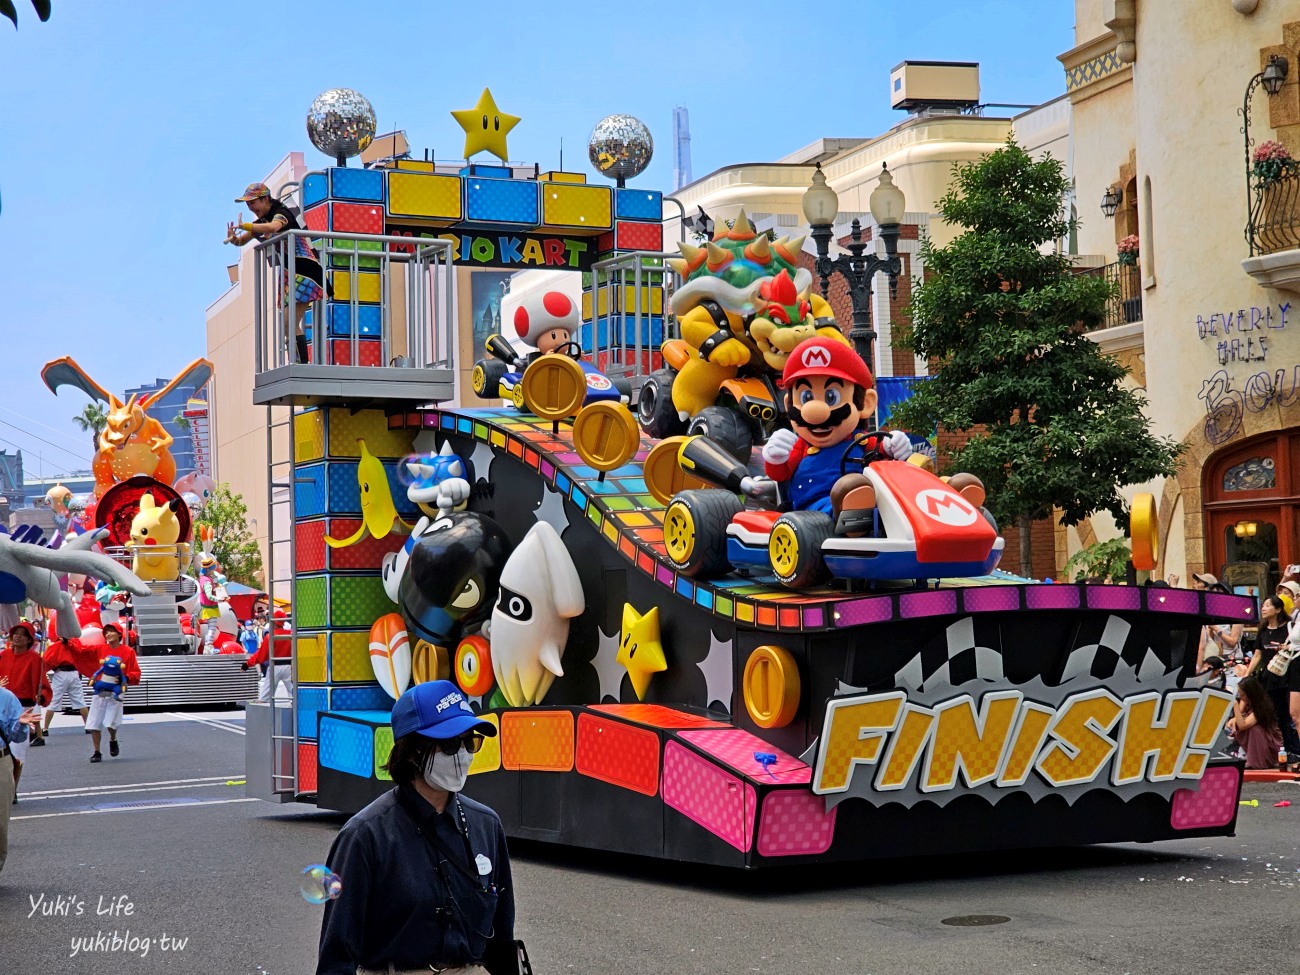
836 417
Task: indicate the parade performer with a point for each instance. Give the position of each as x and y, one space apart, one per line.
829 396
274 657
22 672
210 592
118 669
67 661
274 217
425 869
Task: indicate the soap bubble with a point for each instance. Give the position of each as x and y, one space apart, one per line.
320 884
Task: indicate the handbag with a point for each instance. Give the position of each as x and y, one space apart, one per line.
1282 660
525 966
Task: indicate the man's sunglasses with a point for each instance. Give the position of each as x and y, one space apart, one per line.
450 746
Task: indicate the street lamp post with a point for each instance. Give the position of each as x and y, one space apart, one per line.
820 207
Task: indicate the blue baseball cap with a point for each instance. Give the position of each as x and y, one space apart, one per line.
437 709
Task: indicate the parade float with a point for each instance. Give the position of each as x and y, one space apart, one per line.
142 519
681 660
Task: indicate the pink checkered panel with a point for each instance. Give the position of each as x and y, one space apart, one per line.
1214 805
709 795
794 823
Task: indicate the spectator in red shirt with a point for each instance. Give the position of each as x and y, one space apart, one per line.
22 672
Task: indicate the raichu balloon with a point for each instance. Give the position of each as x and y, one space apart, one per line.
540 593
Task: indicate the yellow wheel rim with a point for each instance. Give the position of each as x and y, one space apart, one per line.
554 387
771 687
679 532
478 380
606 435
517 395
783 548
1144 529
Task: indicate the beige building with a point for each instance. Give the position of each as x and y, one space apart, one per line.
1209 331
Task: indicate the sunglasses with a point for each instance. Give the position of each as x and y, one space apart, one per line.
450 746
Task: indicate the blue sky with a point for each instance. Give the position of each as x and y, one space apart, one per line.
130 126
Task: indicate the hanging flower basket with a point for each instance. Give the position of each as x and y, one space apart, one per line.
1271 161
1128 250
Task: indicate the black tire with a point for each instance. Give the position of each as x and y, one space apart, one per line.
727 427
624 387
487 374
654 410
697 523
988 516
805 567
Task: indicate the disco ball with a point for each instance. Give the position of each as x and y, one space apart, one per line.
340 123
620 147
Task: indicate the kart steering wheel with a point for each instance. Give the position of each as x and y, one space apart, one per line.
570 348
859 455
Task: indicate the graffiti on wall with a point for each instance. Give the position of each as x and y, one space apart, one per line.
1244 337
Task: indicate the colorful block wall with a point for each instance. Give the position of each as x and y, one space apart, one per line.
339 590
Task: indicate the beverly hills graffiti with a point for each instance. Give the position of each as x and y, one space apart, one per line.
1244 336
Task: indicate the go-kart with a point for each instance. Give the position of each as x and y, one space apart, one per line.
502 376
918 528
747 410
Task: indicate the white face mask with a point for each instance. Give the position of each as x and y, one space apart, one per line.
447 772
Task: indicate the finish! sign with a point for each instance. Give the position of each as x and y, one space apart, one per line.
887 748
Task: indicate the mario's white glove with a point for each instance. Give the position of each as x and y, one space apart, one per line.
777 450
896 445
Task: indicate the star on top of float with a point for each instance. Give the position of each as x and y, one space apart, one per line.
486 126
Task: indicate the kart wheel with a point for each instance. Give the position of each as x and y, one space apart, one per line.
623 386
655 410
795 548
727 427
695 531
486 378
517 397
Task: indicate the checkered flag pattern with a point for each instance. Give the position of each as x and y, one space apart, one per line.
1100 655
967 652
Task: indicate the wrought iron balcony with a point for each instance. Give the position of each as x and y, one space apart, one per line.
1124 307
1274 221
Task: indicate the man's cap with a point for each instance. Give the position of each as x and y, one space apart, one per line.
252 191
826 357
1214 663
437 709
1208 578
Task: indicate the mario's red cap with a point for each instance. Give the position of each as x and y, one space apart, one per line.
826 357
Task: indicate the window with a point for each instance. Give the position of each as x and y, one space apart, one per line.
1254 474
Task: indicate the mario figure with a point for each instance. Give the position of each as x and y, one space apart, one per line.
829 393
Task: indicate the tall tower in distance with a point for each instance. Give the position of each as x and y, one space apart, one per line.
681 147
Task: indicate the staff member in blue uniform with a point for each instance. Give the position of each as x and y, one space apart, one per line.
425 871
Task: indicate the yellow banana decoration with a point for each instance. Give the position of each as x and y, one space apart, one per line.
378 513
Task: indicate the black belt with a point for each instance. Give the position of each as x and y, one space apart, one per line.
65 667
27 702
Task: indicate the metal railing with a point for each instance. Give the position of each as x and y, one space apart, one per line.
623 332
1273 223
1124 307
418 330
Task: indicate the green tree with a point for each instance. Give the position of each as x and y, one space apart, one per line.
1005 326
233 544
182 421
42 8
92 419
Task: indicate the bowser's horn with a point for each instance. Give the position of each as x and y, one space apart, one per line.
760 251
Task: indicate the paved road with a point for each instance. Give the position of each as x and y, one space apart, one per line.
199 862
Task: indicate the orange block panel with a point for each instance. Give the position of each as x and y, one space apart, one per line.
618 753
658 716
537 741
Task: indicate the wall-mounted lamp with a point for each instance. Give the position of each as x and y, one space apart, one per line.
1274 74
1245 529
1111 200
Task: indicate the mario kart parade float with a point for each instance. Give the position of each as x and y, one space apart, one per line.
727 621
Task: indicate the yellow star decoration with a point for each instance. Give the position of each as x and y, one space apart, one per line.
639 649
486 127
